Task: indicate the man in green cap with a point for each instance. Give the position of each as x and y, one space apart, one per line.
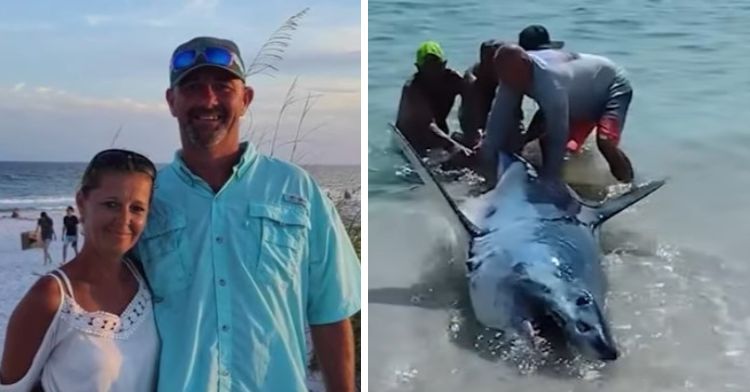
242 250
426 100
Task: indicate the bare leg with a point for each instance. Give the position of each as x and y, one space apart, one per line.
619 164
47 258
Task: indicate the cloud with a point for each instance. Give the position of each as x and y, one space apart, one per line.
333 39
96 20
45 98
26 27
331 129
165 17
202 5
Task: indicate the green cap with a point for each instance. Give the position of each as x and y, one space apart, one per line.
427 48
198 47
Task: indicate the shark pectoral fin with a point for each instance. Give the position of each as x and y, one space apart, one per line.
612 207
429 180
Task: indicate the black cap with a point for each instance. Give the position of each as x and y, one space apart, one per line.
200 44
536 37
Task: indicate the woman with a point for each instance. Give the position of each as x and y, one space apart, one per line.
44 227
89 325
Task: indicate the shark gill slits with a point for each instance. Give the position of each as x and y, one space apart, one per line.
583 300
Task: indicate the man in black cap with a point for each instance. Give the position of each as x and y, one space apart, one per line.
242 251
536 37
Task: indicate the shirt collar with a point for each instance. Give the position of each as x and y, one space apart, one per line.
247 158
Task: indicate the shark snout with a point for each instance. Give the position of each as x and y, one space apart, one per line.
595 340
608 353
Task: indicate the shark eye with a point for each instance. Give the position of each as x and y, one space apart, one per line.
583 300
582 327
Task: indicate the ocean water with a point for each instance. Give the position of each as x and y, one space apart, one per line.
676 262
34 186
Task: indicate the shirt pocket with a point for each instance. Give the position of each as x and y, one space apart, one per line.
283 240
161 248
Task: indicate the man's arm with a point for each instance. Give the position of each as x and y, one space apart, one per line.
416 120
502 128
469 113
554 104
334 348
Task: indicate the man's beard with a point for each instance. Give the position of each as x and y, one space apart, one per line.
205 138
202 135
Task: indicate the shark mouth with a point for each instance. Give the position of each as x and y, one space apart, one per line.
548 324
551 327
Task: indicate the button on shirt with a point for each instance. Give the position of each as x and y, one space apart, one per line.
237 275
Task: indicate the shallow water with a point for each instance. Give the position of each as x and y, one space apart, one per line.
676 262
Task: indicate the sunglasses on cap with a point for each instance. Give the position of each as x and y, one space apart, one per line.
121 160
211 55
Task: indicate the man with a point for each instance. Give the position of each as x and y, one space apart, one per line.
426 100
242 250
575 93
481 83
69 232
536 37
46 231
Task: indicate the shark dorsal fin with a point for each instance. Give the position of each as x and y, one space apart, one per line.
429 180
596 215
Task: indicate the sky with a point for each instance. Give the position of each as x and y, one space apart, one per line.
78 77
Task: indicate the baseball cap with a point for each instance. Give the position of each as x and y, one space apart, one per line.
202 52
429 48
536 37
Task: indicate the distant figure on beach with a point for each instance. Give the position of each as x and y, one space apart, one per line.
69 232
89 325
243 250
426 100
14 214
46 232
575 92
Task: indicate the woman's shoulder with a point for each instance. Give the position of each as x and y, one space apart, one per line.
28 327
44 297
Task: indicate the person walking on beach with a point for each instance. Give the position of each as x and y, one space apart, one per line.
70 232
89 325
45 231
242 250
576 93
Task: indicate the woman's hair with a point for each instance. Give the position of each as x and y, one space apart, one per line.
43 215
114 161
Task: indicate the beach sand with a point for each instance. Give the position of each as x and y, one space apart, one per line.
20 269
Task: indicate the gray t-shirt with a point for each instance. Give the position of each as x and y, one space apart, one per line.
567 87
584 81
